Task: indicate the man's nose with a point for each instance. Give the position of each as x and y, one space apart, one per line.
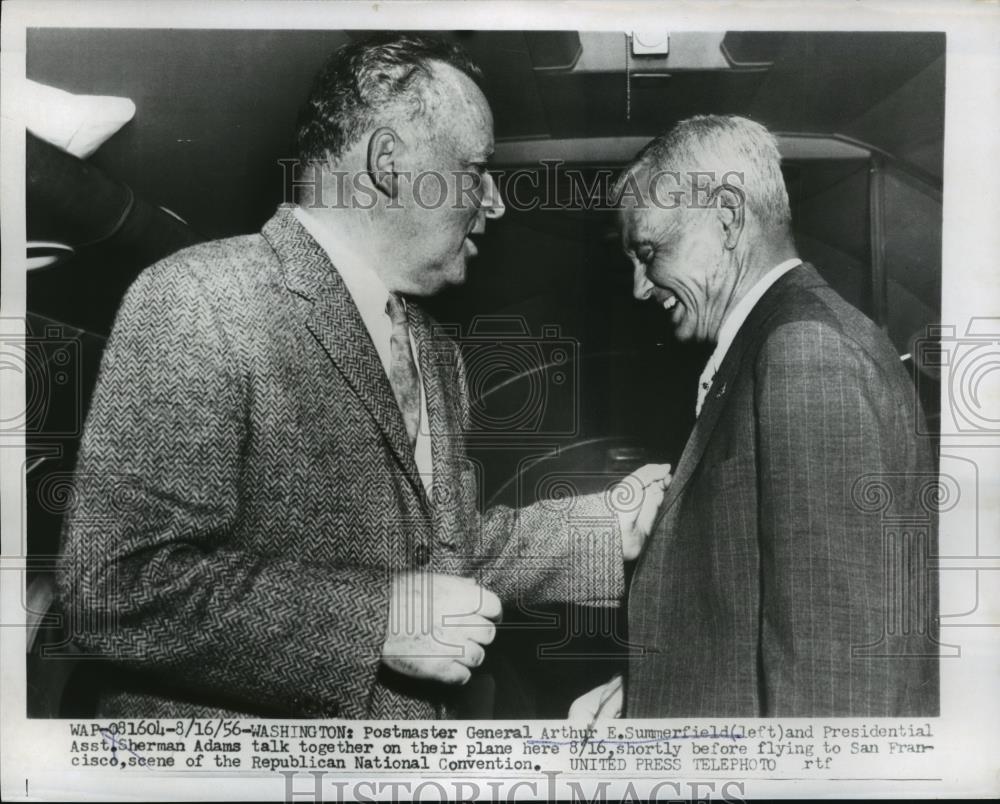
641 286
493 205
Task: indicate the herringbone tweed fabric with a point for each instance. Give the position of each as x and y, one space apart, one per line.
245 492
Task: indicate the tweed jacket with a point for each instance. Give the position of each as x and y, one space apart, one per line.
246 492
764 589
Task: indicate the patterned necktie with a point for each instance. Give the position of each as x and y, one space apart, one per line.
402 369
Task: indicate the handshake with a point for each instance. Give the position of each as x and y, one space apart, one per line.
440 624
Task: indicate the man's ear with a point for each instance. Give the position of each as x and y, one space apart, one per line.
384 147
731 203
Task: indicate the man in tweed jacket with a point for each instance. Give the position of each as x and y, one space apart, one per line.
256 529
770 585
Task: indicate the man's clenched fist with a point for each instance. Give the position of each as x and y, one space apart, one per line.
438 625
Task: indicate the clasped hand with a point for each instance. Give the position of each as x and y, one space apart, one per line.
438 626
637 498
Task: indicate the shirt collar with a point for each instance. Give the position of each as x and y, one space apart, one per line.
734 320
365 286
732 323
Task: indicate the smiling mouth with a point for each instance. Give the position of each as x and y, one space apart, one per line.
670 303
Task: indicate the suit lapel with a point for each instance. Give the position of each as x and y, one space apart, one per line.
337 325
335 322
732 365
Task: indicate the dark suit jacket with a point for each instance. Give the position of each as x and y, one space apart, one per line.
787 574
245 493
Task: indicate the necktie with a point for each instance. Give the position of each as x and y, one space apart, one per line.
402 369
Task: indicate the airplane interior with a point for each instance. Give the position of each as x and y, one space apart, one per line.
573 380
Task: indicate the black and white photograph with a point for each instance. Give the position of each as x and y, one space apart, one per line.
536 397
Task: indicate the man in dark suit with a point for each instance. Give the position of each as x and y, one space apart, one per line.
768 586
273 512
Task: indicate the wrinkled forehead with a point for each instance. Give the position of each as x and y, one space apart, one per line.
629 195
635 193
640 220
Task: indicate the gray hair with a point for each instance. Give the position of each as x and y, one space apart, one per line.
705 152
365 82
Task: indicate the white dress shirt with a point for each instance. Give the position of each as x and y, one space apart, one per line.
370 296
732 323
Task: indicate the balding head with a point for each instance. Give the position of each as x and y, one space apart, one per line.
381 80
699 156
394 145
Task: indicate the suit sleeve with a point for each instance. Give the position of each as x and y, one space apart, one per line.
554 551
826 417
559 550
149 565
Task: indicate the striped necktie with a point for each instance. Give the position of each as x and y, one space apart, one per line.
402 369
